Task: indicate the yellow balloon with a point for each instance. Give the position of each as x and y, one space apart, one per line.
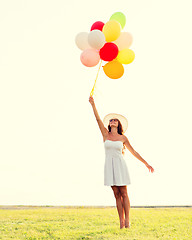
126 56
113 69
111 30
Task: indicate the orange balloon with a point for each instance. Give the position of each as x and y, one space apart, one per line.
113 69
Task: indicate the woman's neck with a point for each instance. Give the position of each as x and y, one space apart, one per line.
114 131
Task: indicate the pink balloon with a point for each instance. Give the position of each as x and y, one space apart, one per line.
90 57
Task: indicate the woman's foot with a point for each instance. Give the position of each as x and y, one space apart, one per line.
122 224
127 224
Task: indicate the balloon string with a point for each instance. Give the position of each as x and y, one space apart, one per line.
92 91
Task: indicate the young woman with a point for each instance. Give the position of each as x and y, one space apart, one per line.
115 171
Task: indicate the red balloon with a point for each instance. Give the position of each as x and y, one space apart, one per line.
109 51
97 25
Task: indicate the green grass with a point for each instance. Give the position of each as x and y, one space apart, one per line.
95 223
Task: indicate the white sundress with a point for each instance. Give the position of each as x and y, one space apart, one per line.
115 168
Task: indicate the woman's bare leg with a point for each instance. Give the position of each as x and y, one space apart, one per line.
122 206
126 204
119 205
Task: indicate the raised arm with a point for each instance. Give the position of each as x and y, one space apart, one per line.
136 154
104 130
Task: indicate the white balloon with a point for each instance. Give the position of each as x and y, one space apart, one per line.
96 39
124 40
81 40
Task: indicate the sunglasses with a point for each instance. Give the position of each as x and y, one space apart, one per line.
115 119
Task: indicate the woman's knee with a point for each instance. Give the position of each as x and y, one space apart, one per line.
123 192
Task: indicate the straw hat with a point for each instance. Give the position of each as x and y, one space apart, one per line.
120 117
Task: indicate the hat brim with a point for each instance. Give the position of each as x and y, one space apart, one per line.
120 117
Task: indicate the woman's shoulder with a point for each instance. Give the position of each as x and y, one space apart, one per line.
124 138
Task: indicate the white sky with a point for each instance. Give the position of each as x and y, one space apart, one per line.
51 149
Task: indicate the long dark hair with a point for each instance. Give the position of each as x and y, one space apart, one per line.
120 131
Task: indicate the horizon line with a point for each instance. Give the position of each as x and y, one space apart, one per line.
88 206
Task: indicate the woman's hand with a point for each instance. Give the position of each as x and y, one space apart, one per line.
150 168
91 100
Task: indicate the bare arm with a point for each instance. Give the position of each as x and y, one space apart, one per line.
136 154
104 131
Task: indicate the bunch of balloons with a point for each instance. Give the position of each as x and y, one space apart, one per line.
108 43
